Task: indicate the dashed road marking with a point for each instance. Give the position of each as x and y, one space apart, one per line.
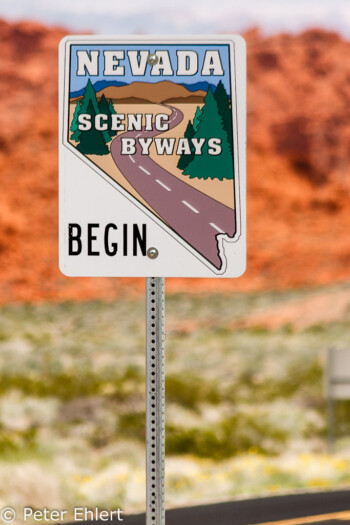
163 185
130 157
145 171
190 207
216 227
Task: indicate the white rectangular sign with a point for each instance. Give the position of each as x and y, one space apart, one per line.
338 373
152 156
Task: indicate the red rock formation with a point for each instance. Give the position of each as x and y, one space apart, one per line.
298 167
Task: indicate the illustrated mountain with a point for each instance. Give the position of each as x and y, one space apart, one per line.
98 86
102 84
157 93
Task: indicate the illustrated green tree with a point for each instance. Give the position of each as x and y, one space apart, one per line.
112 112
92 141
224 108
184 160
90 96
74 125
206 166
196 119
104 109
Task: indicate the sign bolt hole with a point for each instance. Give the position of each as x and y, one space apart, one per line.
152 253
152 59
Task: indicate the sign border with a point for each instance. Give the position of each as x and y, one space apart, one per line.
238 94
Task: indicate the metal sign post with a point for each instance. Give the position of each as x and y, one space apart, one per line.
155 401
152 136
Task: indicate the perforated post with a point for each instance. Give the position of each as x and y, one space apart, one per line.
155 401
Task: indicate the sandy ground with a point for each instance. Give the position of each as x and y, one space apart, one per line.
222 191
106 163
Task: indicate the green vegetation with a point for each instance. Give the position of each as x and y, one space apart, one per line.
224 108
184 160
74 125
213 121
72 396
111 111
78 351
92 141
196 119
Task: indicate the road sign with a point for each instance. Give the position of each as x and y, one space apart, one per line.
152 156
337 385
338 373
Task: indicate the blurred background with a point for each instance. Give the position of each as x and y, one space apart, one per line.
246 409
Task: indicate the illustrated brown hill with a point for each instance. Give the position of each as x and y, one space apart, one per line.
298 168
192 99
154 93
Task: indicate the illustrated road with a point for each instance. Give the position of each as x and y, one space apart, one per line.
193 215
325 508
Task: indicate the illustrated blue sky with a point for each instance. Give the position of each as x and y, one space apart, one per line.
78 82
182 16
